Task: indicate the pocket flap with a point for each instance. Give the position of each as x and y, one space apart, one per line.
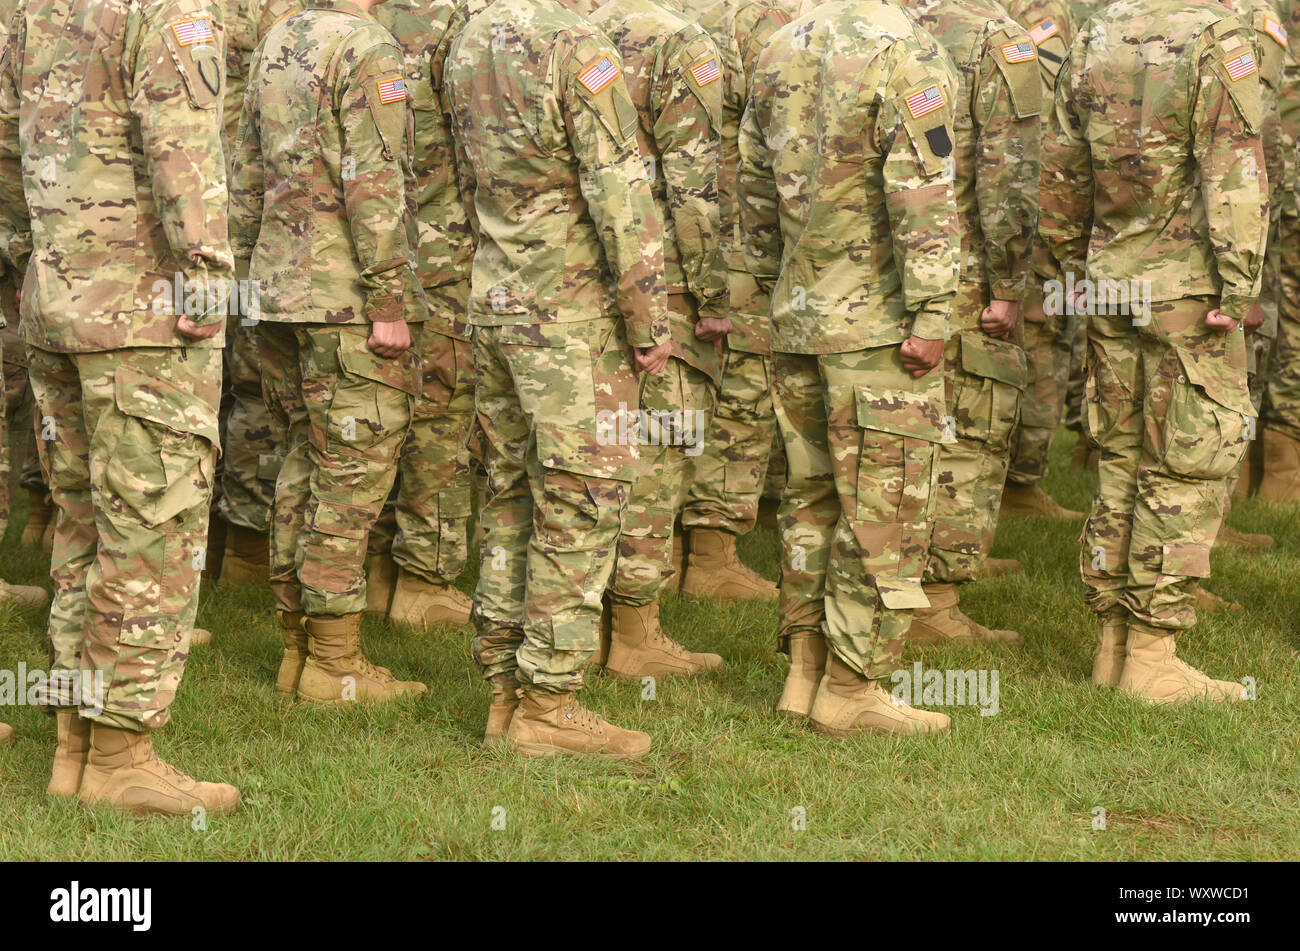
900 412
1000 360
401 372
164 403
1185 560
611 454
1224 384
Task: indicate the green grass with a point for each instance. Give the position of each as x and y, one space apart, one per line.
412 782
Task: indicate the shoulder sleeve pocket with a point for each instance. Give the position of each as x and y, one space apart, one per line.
1017 59
195 45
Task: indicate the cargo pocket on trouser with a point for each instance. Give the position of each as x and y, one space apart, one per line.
1205 426
156 488
987 403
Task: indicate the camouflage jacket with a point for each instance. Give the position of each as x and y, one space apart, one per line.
674 77
9 278
1182 199
998 136
112 188
322 173
545 137
846 186
425 31
740 29
247 21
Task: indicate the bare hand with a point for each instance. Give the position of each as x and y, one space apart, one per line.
709 329
652 360
920 356
1254 319
389 338
188 328
999 318
1220 322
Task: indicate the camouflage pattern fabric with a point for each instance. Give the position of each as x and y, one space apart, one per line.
1167 399
998 131
568 273
858 249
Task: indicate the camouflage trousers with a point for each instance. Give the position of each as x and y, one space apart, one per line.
20 464
861 438
254 437
1072 349
130 466
426 523
1168 406
983 379
1281 408
676 407
552 402
1040 411
346 411
730 472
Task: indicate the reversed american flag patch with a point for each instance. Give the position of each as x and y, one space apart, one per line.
392 90
599 74
1019 52
1044 31
1275 30
197 30
926 101
705 72
1239 66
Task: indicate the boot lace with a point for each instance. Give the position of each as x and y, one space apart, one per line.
579 717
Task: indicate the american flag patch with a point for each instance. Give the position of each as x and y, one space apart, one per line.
1275 30
198 30
1044 31
1239 66
599 74
1019 52
705 72
392 90
926 101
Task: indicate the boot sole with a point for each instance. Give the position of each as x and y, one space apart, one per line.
541 750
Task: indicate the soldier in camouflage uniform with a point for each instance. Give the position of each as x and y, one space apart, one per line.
568 278
723 499
1047 337
1279 435
846 206
127 372
252 438
1167 399
674 76
323 150
996 157
421 543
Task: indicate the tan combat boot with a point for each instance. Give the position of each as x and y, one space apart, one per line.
1153 673
807 665
546 724
40 518
1000 567
505 699
638 647
23 595
70 754
247 558
422 605
714 570
123 771
1281 481
1108 661
1032 501
381 580
943 622
1229 537
6 735
849 703
294 635
337 672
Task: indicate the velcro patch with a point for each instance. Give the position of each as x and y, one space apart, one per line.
1240 66
706 72
1044 31
1019 52
599 74
1275 30
197 30
392 89
925 101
